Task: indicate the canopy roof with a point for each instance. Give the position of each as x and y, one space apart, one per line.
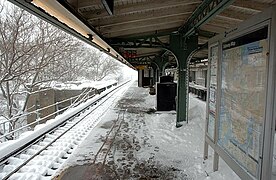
131 29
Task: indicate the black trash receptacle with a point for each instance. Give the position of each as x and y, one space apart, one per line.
166 93
164 79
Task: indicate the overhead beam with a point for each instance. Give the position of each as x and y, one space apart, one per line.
162 34
146 29
224 23
109 6
251 4
154 42
145 43
89 3
159 33
143 23
225 18
205 12
237 15
213 28
145 56
148 19
137 62
152 55
138 7
162 12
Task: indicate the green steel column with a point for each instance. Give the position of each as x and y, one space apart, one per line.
150 78
182 48
154 68
160 62
157 75
181 101
165 61
140 77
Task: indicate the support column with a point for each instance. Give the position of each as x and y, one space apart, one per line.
182 48
154 69
160 62
157 75
150 78
165 60
140 77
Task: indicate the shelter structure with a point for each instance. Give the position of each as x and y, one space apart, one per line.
150 35
153 33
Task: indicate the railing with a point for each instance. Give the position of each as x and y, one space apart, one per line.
6 127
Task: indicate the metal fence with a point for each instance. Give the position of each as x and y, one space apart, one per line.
8 132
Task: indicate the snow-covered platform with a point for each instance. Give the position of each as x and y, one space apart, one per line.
132 141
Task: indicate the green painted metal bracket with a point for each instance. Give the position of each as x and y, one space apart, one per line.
165 53
147 42
138 37
207 10
142 60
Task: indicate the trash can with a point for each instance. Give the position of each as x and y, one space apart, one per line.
166 93
164 79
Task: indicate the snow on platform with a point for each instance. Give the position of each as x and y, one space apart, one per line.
134 142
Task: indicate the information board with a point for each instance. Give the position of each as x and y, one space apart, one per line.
242 102
213 60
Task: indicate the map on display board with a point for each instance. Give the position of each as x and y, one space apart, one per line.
212 91
242 103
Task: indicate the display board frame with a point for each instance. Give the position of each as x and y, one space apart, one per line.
211 93
267 18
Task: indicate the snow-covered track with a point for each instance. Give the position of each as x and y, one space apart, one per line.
42 155
102 154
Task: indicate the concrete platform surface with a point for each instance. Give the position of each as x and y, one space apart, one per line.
132 141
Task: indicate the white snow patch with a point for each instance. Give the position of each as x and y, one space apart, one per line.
178 147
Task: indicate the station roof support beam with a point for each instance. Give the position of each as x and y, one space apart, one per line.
185 43
182 49
134 7
109 6
203 13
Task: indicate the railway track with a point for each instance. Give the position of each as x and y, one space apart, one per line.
41 158
100 165
101 155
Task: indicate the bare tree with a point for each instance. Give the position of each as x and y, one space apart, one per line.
30 51
33 52
97 66
17 53
106 66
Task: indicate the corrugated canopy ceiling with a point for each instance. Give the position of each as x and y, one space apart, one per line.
144 26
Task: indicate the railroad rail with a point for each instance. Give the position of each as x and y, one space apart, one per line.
42 154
